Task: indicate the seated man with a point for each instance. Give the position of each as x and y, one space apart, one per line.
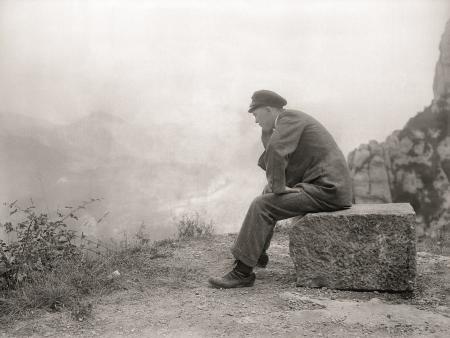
306 172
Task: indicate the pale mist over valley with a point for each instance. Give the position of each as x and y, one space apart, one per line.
144 104
142 176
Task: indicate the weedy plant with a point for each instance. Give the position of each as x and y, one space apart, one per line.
41 266
193 226
37 244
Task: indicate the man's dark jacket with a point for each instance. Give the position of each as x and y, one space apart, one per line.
301 153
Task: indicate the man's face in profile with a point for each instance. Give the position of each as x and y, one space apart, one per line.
264 117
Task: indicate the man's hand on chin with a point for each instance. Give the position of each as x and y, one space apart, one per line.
265 137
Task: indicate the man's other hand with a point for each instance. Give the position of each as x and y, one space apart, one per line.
287 190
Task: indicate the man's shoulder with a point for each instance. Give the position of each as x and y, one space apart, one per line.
292 114
291 117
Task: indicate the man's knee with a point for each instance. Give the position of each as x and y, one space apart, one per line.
261 207
260 202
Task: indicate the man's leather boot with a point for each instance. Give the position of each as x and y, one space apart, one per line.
263 260
233 279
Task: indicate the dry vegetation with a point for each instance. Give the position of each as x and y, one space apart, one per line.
45 265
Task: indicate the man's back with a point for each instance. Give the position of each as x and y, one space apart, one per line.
312 159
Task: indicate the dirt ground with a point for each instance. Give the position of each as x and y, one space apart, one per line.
169 296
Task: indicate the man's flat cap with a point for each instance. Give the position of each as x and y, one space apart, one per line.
264 97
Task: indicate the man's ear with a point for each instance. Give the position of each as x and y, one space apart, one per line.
268 109
272 110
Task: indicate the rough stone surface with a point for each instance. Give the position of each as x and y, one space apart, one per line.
366 247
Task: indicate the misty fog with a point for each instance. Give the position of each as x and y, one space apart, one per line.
144 104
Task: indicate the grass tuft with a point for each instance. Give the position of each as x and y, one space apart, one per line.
194 226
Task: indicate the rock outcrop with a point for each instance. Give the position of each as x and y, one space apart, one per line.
413 164
367 247
441 84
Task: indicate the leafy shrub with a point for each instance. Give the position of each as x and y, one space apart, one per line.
38 243
42 267
194 226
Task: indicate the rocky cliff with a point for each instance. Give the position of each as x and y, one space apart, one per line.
413 164
441 84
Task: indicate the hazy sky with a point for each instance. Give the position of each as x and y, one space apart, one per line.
361 67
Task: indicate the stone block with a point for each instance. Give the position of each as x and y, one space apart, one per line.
366 247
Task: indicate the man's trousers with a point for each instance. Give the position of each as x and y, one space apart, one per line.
265 210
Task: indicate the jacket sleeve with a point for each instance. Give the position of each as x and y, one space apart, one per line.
282 143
